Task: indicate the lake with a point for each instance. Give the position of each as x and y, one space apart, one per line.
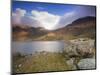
37 46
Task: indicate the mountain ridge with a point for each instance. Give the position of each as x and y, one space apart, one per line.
82 27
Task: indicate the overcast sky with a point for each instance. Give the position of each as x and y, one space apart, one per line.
48 15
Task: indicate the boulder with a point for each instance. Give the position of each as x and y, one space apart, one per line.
70 50
80 47
88 63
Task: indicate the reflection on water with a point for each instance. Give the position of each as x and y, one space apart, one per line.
35 46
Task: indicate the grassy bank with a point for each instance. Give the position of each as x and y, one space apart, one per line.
41 62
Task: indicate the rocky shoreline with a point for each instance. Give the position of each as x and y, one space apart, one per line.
80 53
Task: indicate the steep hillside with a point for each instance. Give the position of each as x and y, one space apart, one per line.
83 27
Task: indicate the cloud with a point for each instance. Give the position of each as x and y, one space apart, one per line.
17 15
37 18
30 21
20 12
48 20
66 19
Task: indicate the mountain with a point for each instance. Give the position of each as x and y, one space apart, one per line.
23 32
82 27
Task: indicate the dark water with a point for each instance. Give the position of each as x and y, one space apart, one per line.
31 47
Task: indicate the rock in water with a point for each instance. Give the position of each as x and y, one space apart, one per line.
88 63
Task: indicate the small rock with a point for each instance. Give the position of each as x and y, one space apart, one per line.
70 62
19 65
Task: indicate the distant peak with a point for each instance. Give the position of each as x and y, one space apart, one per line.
84 19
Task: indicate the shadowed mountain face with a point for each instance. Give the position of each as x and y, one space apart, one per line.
82 27
25 32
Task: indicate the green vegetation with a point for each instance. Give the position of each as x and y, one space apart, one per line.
41 62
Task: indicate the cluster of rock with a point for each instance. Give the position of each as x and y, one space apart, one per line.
81 52
80 47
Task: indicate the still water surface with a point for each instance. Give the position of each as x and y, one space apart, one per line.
35 46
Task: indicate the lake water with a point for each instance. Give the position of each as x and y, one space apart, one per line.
36 46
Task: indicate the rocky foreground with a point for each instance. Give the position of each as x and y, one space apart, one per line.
80 53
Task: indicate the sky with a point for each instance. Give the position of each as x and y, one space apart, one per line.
48 15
